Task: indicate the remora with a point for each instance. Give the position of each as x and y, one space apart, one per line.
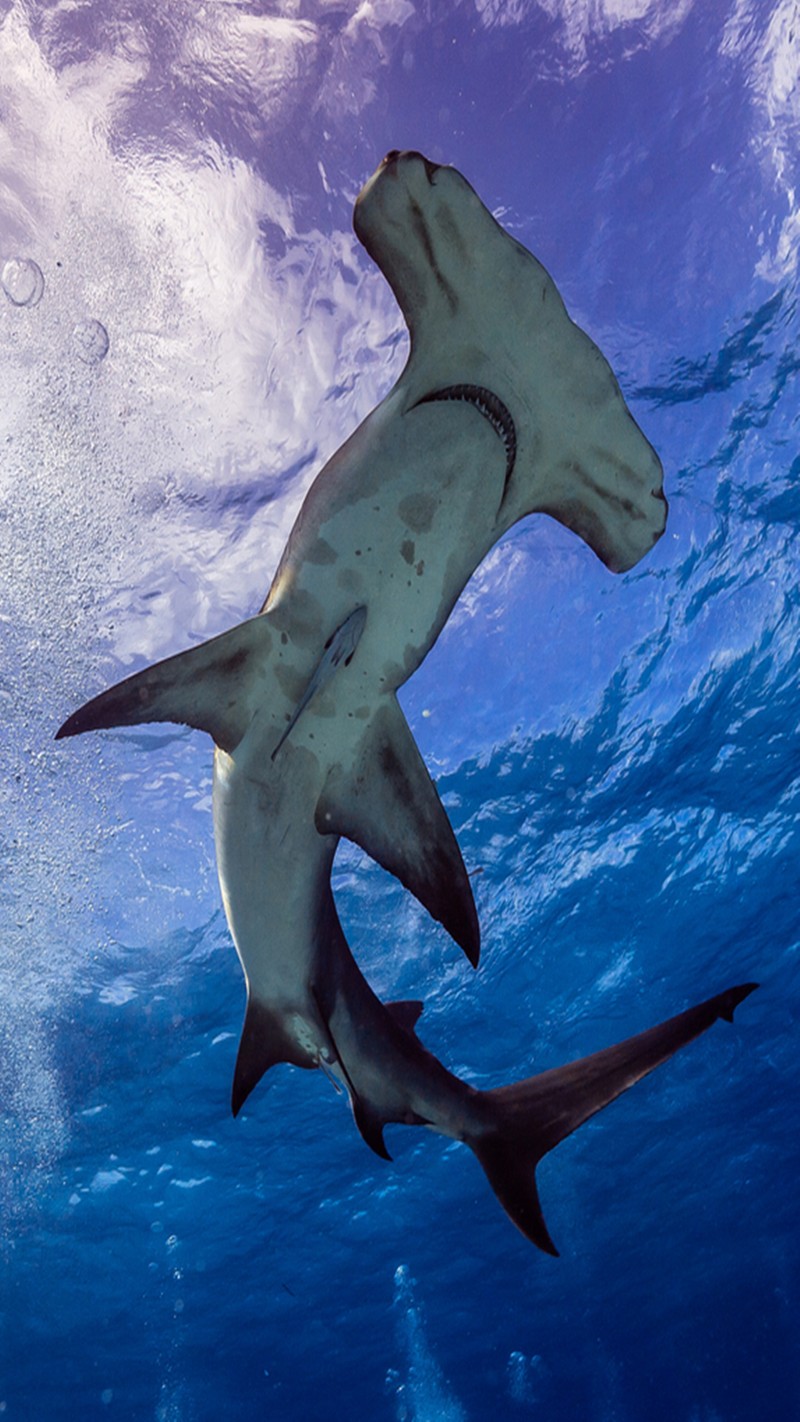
505 408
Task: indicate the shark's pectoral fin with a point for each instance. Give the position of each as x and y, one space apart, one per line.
389 806
205 687
529 1118
265 1043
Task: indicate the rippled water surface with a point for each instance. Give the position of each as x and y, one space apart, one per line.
188 329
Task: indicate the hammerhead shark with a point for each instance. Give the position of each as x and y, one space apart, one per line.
504 408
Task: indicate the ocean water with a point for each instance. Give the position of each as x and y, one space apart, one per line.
188 328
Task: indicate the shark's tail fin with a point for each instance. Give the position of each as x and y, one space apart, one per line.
528 1119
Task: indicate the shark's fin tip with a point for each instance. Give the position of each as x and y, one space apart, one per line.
388 805
205 687
531 1117
371 1127
730 1000
265 1043
510 1166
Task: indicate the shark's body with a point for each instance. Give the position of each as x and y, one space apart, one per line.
504 408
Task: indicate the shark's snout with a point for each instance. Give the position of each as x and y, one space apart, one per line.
391 219
397 156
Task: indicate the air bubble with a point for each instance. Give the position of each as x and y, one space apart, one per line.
22 281
90 341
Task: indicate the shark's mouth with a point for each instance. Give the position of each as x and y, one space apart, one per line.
492 408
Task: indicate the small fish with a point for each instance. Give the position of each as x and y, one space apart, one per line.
339 647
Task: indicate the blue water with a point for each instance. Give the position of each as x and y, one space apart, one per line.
619 756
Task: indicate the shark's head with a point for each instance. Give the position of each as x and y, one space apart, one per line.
484 315
422 223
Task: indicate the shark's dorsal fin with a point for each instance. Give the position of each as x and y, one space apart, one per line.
205 687
388 805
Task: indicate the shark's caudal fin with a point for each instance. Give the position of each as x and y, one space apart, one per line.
531 1117
206 687
389 806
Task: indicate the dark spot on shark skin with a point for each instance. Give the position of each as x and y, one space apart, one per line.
349 581
417 511
291 682
408 550
284 638
233 663
420 567
393 769
393 674
321 552
324 706
300 616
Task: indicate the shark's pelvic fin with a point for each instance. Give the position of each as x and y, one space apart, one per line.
389 806
531 1117
205 687
338 648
